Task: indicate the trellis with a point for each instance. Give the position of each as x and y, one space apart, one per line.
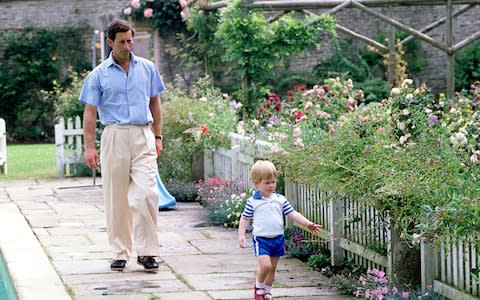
334 6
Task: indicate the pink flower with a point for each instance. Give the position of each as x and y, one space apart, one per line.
127 11
148 12
183 3
405 295
185 13
135 3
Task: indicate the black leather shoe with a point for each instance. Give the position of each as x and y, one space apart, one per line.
148 262
118 264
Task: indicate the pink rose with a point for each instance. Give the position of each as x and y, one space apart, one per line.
147 13
135 3
127 11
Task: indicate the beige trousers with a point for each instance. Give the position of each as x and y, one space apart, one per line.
129 169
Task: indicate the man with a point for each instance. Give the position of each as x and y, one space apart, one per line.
124 89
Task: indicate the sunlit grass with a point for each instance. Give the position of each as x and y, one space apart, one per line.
30 161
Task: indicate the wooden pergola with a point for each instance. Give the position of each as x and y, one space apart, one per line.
333 6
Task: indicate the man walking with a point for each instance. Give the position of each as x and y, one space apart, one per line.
124 90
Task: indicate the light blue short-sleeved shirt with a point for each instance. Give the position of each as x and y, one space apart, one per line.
267 214
122 98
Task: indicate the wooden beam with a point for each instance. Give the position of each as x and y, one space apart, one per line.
328 4
435 24
358 36
397 24
450 58
460 45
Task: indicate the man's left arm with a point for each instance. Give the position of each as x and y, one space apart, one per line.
156 109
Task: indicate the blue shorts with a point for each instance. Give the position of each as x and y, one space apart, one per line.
269 246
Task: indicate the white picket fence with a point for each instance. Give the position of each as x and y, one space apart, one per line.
69 145
3 148
354 231
350 230
452 269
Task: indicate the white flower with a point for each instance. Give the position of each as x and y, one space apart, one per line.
409 96
395 91
275 149
474 157
405 112
401 125
458 139
407 82
203 99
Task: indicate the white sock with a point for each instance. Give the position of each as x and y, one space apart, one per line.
260 287
267 288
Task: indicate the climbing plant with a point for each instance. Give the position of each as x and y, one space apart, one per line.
252 46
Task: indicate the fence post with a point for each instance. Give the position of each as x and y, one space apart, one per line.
335 219
208 163
291 193
235 151
428 265
79 140
59 142
3 147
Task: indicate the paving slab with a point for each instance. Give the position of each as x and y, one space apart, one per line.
198 261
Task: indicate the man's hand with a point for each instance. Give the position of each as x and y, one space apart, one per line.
92 160
158 146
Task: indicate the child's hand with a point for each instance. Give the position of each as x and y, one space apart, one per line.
241 241
315 228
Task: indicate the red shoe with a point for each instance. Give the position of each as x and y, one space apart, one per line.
255 295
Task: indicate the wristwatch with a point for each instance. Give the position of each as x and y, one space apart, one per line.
158 137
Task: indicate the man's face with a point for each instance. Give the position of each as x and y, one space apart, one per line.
122 45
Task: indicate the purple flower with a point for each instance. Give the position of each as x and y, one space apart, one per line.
433 120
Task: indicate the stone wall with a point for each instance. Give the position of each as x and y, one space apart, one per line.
98 13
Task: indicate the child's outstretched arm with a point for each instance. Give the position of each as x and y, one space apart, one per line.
301 220
242 228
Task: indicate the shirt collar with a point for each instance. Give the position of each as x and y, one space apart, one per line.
110 61
258 196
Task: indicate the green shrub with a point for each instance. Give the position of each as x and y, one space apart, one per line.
467 66
318 261
183 191
65 99
33 59
297 246
224 200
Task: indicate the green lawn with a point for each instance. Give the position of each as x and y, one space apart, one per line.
30 161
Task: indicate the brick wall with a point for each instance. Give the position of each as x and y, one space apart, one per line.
98 13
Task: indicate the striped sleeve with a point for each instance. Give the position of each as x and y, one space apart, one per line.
248 210
287 207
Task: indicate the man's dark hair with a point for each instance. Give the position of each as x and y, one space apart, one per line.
119 26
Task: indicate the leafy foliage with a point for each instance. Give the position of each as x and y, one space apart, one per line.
410 155
32 61
224 200
297 246
467 66
160 14
65 99
183 191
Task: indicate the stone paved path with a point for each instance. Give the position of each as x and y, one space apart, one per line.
198 262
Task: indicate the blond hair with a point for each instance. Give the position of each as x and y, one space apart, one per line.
262 169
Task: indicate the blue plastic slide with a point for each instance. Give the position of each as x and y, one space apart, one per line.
166 200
